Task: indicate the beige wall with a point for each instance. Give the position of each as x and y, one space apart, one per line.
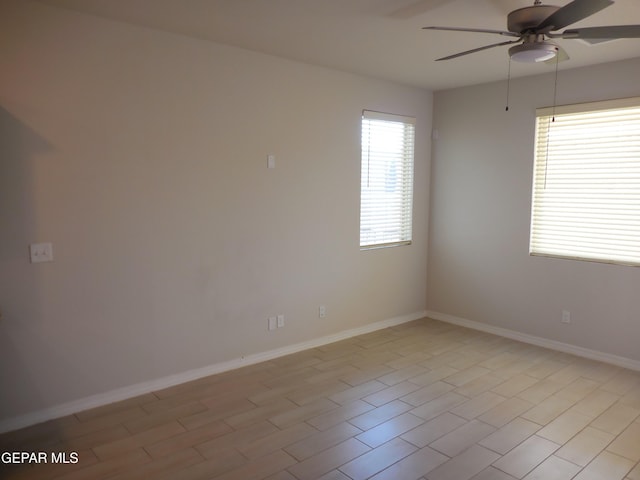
141 156
479 267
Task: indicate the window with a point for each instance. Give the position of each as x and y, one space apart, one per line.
386 182
586 183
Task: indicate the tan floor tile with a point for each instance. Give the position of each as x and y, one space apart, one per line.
428 393
464 466
222 443
595 403
622 382
510 436
101 423
606 466
433 429
391 393
585 446
515 385
479 385
379 415
526 456
327 460
547 410
221 462
402 374
367 373
259 414
544 368
300 414
338 415
506 411
413 466
491 473
376 460
333 475
390 429
356 393
283 475
578 389
110 467
261 467
553 468
282 438
632 397
499 361
478 405
321 441
311 393
439 405
434 375
616 418
140 424
540 391
147 437
216 410
188 439
467 375
462 438
96 438
634 474
568 374
170 464
627 444
564 427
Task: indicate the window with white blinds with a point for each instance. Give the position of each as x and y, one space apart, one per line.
386 183
586 184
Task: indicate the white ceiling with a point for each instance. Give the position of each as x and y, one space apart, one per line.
379 38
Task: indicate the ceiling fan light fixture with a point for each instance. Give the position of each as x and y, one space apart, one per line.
533 52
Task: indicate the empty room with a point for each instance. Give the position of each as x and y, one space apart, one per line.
319 239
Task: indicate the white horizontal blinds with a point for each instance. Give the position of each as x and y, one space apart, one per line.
586 192
386 194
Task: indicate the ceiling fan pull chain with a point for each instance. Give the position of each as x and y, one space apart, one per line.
508 84
555 91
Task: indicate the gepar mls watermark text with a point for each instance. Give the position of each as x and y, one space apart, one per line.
38 457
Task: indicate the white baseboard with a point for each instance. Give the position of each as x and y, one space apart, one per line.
131 391
539 341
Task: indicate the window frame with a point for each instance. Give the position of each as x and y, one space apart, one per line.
392 208
596 194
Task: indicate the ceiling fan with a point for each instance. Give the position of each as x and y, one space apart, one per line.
533 26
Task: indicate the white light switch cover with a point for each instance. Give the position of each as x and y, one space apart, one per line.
41 252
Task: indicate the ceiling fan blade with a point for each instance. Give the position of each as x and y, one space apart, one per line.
561 56
611 32
477 50
571 13
417 8
474 30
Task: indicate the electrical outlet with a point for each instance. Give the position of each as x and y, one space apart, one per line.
41 252
271 325
566 316
322 311
280 321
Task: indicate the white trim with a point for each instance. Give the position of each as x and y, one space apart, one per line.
539 341
131 391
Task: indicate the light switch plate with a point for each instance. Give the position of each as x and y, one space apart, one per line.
41 252
271 325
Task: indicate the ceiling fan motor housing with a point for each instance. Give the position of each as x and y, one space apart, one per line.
528 18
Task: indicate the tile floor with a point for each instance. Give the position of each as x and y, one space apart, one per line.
425 400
